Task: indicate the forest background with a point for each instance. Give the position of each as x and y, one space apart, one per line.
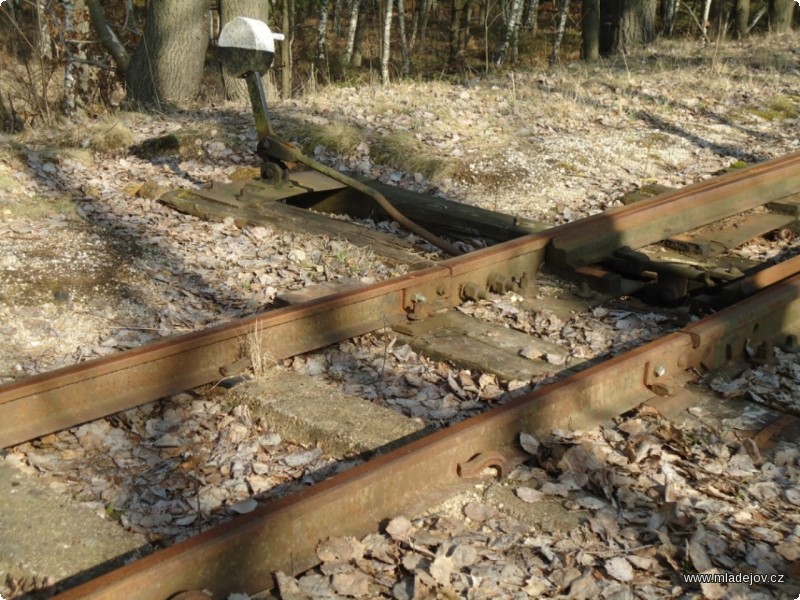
67 57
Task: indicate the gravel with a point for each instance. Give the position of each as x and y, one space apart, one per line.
93 264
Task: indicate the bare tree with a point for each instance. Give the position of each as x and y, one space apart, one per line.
531 22
287 19
358 45
401 24
76 76
349 46
419 24
561 22
107 36
741 15
322 32
669 10
591 30
337 17
704 21
459 32
780 15
421 18
511 30
386 40
43 40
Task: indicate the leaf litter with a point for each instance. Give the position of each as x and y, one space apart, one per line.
661 501
174 273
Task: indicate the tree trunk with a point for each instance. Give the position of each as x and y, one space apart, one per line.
531 22
669 9
351 32
358 45
322 32
167 66
741 16
780 15
404 51
236 88
287 18
76 71
459 30
43 39
337 17
609 19
512 24
721 11
107 36
633 22
561 23
590 51
424 11
386 41
704 20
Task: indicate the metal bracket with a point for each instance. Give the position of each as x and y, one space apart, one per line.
474 467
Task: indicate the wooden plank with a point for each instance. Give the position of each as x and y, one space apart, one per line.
309 189
787 206
443 217
645 192
716 239
486 347
316 290
275 214
767 426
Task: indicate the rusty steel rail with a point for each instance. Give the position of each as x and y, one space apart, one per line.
241 556
45 403
655 219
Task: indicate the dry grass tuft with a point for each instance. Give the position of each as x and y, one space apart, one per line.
337 136
403 151
110 139
106 136
260 360
36 207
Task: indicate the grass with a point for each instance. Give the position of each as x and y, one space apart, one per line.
107 135
260 360
37 206
405 152
338 136
780 108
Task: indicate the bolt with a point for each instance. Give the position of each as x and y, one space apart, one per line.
498 283
791 345
659 371
472 291
585 291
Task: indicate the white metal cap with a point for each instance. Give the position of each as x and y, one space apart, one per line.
249 34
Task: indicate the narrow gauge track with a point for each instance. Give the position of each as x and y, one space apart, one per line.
283 535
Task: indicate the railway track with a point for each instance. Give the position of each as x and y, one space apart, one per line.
618 253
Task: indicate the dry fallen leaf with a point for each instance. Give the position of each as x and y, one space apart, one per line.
527 494
351 583
400 528
619 568
340 549
529 443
